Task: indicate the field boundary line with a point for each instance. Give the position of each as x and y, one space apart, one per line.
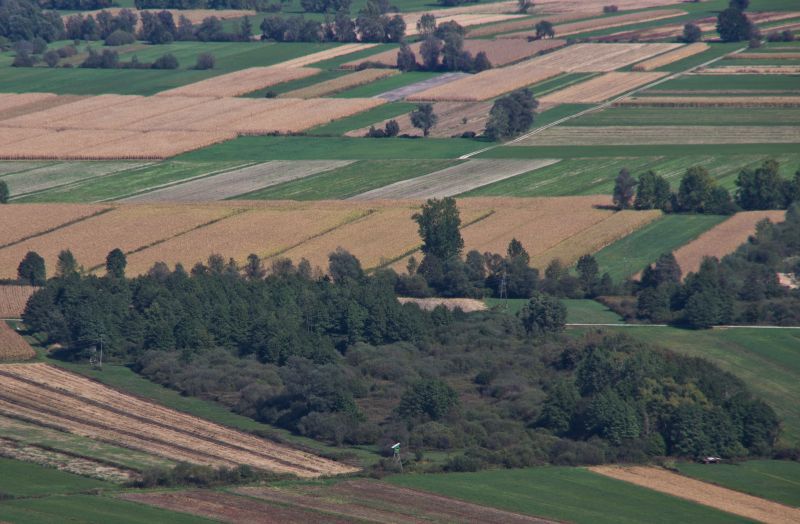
56 228
600 106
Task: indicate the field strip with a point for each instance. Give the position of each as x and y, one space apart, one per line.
327 54
80 405
456 179
61 174
663 135
13 299
599 107
241 82
239 181
405 91
703 493
600 88
339 84
28 221
737 102
12 345
723 239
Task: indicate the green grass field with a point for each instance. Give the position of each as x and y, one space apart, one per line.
730 83
386 84
777 480
22 479
638 150
565 494
363 119
350 180
631 254
767 360
677 116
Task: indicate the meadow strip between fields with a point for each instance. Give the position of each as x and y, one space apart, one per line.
703 493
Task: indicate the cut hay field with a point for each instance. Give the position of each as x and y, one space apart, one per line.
631 254
723 239
683 487
601 88
13 299
657 135
671 57
775 480
607 22
564 494
12 345
239 181
42 393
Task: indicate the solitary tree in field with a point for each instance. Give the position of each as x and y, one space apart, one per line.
734 26
524 6
4 192
544 29
424 118
624 189
691 33
439 222
66 264
115 263
31 270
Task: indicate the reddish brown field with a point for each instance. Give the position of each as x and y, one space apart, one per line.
723 238
53 397
13 300
12 345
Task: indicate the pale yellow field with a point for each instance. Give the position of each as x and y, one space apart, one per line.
242 82
600 88
342 83
672 56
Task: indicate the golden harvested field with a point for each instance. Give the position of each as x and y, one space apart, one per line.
10 135
464 20
268 229
597 24
451 120
155 145
305 115
12 345
126 113
242 82
644 135
598 58
711 101
499 52
596 237
751 70
83 106
467 305
524 24
342 83
17 105
600 88
129 228
487 84
13 300
24 221
334 52
50 396
723 239
671 56
724 499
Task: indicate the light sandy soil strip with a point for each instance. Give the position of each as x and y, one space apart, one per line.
240 181
13 300
789 280
671 56
24 220
313 58
466 305
703 493
242 82
337 85
499 52
644 135
79 405
410 91
600 88
12 345
710 101
455 180
487 84
723 239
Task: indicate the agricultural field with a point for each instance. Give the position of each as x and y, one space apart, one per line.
12 345
13 299
657 135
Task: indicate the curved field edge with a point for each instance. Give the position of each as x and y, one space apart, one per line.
566 494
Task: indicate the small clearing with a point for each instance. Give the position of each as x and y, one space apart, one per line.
456 179
703 493
239 181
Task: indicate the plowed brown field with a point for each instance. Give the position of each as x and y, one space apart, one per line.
723 239
57 398
13 300
703 493
12 345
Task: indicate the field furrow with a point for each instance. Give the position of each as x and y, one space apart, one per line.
13 299
12 345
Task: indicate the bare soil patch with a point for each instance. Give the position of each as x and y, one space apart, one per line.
703 493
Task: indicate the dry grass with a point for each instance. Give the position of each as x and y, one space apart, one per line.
596 237
47 116
340 84
652 135
751 70
129 112
598 58
724 499
13 346
672 56
305 115
13 300
723 239
464 20
711 101
129 228
13 109
600 88
43 394
242 82
334 52
25 220
596 24
450 122
467 305
155 145
13 100
524 24
487 84
499 52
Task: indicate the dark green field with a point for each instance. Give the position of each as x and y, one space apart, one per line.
730 83
677 116
777 480
363 119
565 494
21 479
